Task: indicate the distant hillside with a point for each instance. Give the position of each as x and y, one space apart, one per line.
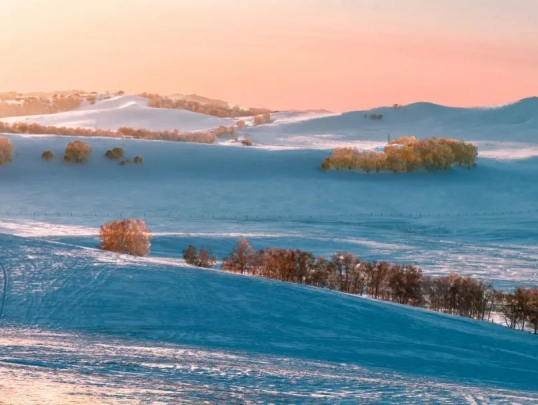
313 111
221 109
126 111
199 99
11 95
510 122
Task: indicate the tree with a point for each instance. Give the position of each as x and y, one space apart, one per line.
376 275
128 236
344 265
77 152
200 259
241 259
47 155
190 254
138 160
115 153
6 151
533 309
205 259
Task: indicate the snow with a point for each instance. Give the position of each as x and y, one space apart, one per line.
515 122
154 329
126 111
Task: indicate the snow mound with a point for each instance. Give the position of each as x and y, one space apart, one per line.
127 111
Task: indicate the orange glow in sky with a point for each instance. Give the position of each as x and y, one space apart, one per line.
334 54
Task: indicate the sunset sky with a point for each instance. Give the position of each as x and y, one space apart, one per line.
334 54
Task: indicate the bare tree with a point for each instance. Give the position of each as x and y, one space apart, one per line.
241 259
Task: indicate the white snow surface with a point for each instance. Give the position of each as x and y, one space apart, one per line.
126 111
82 325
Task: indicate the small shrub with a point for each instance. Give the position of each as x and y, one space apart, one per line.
200 259
240 124
47 155
128 236
6 151
138 160
77 152
125 162
115 153
262 119
246 142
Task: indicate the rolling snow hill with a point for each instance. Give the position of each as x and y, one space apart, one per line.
514 126
77 323
127 111
345 343
479 222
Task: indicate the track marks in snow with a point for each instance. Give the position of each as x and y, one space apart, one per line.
52 368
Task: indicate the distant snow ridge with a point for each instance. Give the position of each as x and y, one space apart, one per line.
127 111
515 122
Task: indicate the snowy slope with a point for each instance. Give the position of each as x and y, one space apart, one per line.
151 329
69 290
127 111
510 127
479 222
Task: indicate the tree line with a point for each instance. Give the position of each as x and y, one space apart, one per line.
345 272
123 132
398 283
75 152
221 110
405 154
39 105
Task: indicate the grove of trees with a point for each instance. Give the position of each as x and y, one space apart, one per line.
405 154
6 150
398 283
39 105
129 236
222 110
202 258
124 132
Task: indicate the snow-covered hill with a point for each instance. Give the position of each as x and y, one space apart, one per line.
153 330
479 222
114 301
127 111
512 127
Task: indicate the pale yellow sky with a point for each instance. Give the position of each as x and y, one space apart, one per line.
335 54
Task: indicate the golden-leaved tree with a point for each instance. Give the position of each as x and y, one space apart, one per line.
130 236
77 152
